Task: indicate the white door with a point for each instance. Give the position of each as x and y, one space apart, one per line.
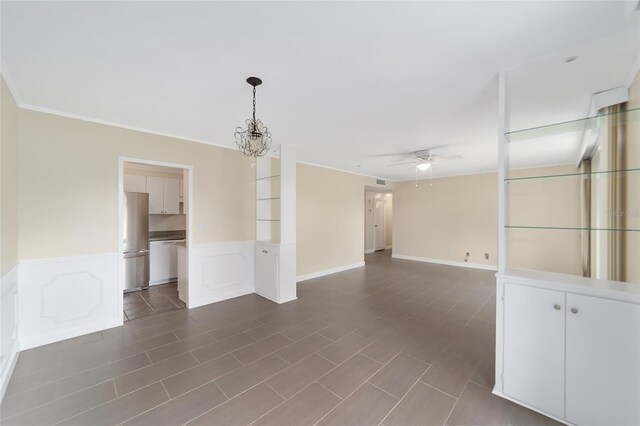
603 361
171 193
155 188
378 226
267 271
533 370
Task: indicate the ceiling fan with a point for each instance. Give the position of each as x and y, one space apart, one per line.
423 159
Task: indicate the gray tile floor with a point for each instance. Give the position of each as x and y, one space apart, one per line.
156 299
394 343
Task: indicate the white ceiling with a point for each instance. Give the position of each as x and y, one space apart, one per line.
342 81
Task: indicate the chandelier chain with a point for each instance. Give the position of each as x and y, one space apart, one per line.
254 104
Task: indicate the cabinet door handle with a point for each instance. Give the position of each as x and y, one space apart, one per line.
265 251
557 307
574 310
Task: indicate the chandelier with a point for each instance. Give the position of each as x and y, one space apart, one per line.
255 139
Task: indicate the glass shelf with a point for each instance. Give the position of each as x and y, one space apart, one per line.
582 124
605 172
268 177
267 199
562 228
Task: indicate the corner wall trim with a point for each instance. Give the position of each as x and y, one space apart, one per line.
329 271
446 262
9 326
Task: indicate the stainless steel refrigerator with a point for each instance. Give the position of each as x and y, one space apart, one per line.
136 241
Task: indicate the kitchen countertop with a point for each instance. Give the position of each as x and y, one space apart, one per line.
167 235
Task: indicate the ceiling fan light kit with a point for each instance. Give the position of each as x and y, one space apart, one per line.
423 166
255 140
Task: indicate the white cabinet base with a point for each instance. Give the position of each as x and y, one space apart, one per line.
275 271
569 347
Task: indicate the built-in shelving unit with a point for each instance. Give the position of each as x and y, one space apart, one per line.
568 291
275 226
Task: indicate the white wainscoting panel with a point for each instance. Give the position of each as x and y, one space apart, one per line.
67 297
8 326
220 271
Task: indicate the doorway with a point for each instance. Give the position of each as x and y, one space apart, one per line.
154 228
378 210
379 234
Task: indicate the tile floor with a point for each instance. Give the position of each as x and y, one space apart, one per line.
394 343
155 300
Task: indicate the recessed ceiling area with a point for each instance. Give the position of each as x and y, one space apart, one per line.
343 81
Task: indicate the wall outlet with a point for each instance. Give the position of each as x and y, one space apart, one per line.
486 255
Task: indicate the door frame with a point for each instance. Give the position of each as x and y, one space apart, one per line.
120 195
384 224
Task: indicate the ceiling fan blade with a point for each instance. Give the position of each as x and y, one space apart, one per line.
401 164
393 154
447 157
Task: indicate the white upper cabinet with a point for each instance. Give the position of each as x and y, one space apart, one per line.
164 195
155 187
171 196
135 183
603 367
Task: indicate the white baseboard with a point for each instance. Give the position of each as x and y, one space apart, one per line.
329 271
7 369
508 398
220 296
388 247
367 251
446 262
275 301
9 326
53 337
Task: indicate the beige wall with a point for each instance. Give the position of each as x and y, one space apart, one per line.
632 239
444 221
551 202
68 185
9 182
459 215
330 220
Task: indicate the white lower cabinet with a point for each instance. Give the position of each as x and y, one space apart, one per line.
163 262
575 357
603 361
534 343
267 270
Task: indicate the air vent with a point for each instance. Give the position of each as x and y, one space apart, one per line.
380 182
